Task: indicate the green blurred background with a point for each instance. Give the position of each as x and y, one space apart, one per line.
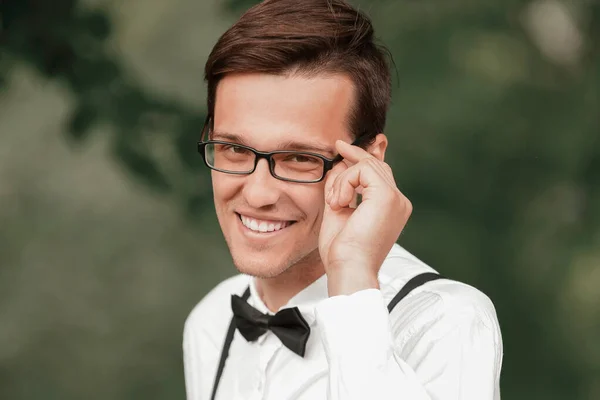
107 230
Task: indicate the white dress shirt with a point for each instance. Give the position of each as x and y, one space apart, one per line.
441 342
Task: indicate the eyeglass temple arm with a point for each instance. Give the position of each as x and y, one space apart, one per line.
205 127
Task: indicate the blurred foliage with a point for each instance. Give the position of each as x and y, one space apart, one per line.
68 42
495 138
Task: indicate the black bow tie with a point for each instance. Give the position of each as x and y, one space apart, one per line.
288 324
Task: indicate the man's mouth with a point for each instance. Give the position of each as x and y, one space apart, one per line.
263 226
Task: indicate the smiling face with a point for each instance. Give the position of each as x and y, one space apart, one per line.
271 112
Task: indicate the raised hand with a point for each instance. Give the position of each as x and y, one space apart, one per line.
354 242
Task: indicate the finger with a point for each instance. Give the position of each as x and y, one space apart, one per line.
345 186
352 154
331 178
346 193
368 175
343 191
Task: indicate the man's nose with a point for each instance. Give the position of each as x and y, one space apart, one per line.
261 188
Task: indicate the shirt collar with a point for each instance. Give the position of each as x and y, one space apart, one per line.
306 300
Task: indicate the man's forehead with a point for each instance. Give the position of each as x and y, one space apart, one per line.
270 112
312 94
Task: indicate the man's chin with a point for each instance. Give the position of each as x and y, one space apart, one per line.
273 263
258 269
261 263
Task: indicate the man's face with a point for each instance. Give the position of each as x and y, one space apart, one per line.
269 112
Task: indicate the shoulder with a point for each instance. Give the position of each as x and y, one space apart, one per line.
439 305
212 315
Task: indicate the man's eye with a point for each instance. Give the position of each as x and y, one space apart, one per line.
236 149
302 159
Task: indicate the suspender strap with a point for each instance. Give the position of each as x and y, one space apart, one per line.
226 346
412 284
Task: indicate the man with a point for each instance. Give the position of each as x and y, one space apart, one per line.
324 307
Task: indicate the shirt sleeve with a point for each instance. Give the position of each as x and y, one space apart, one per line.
456 356
191 363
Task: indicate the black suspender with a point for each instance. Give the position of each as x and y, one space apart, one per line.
412 284
225 351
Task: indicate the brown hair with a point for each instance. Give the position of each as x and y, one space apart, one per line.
309 37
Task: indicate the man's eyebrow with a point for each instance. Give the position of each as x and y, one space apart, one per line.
229 137
288 145
311 147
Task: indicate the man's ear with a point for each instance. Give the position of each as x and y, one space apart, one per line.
377 149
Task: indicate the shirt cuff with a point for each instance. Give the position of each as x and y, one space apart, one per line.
356 327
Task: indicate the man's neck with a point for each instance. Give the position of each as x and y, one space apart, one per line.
277 292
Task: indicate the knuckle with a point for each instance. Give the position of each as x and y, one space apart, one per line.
408 206
402 200
405 204
391 197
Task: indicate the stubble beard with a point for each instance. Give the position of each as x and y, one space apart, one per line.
295 266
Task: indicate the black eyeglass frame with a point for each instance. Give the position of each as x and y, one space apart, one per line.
328 163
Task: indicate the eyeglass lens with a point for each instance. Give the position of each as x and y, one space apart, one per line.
296 166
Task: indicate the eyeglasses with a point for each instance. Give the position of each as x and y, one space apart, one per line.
290 166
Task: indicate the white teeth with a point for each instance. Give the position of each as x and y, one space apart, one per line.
253 225
263 226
